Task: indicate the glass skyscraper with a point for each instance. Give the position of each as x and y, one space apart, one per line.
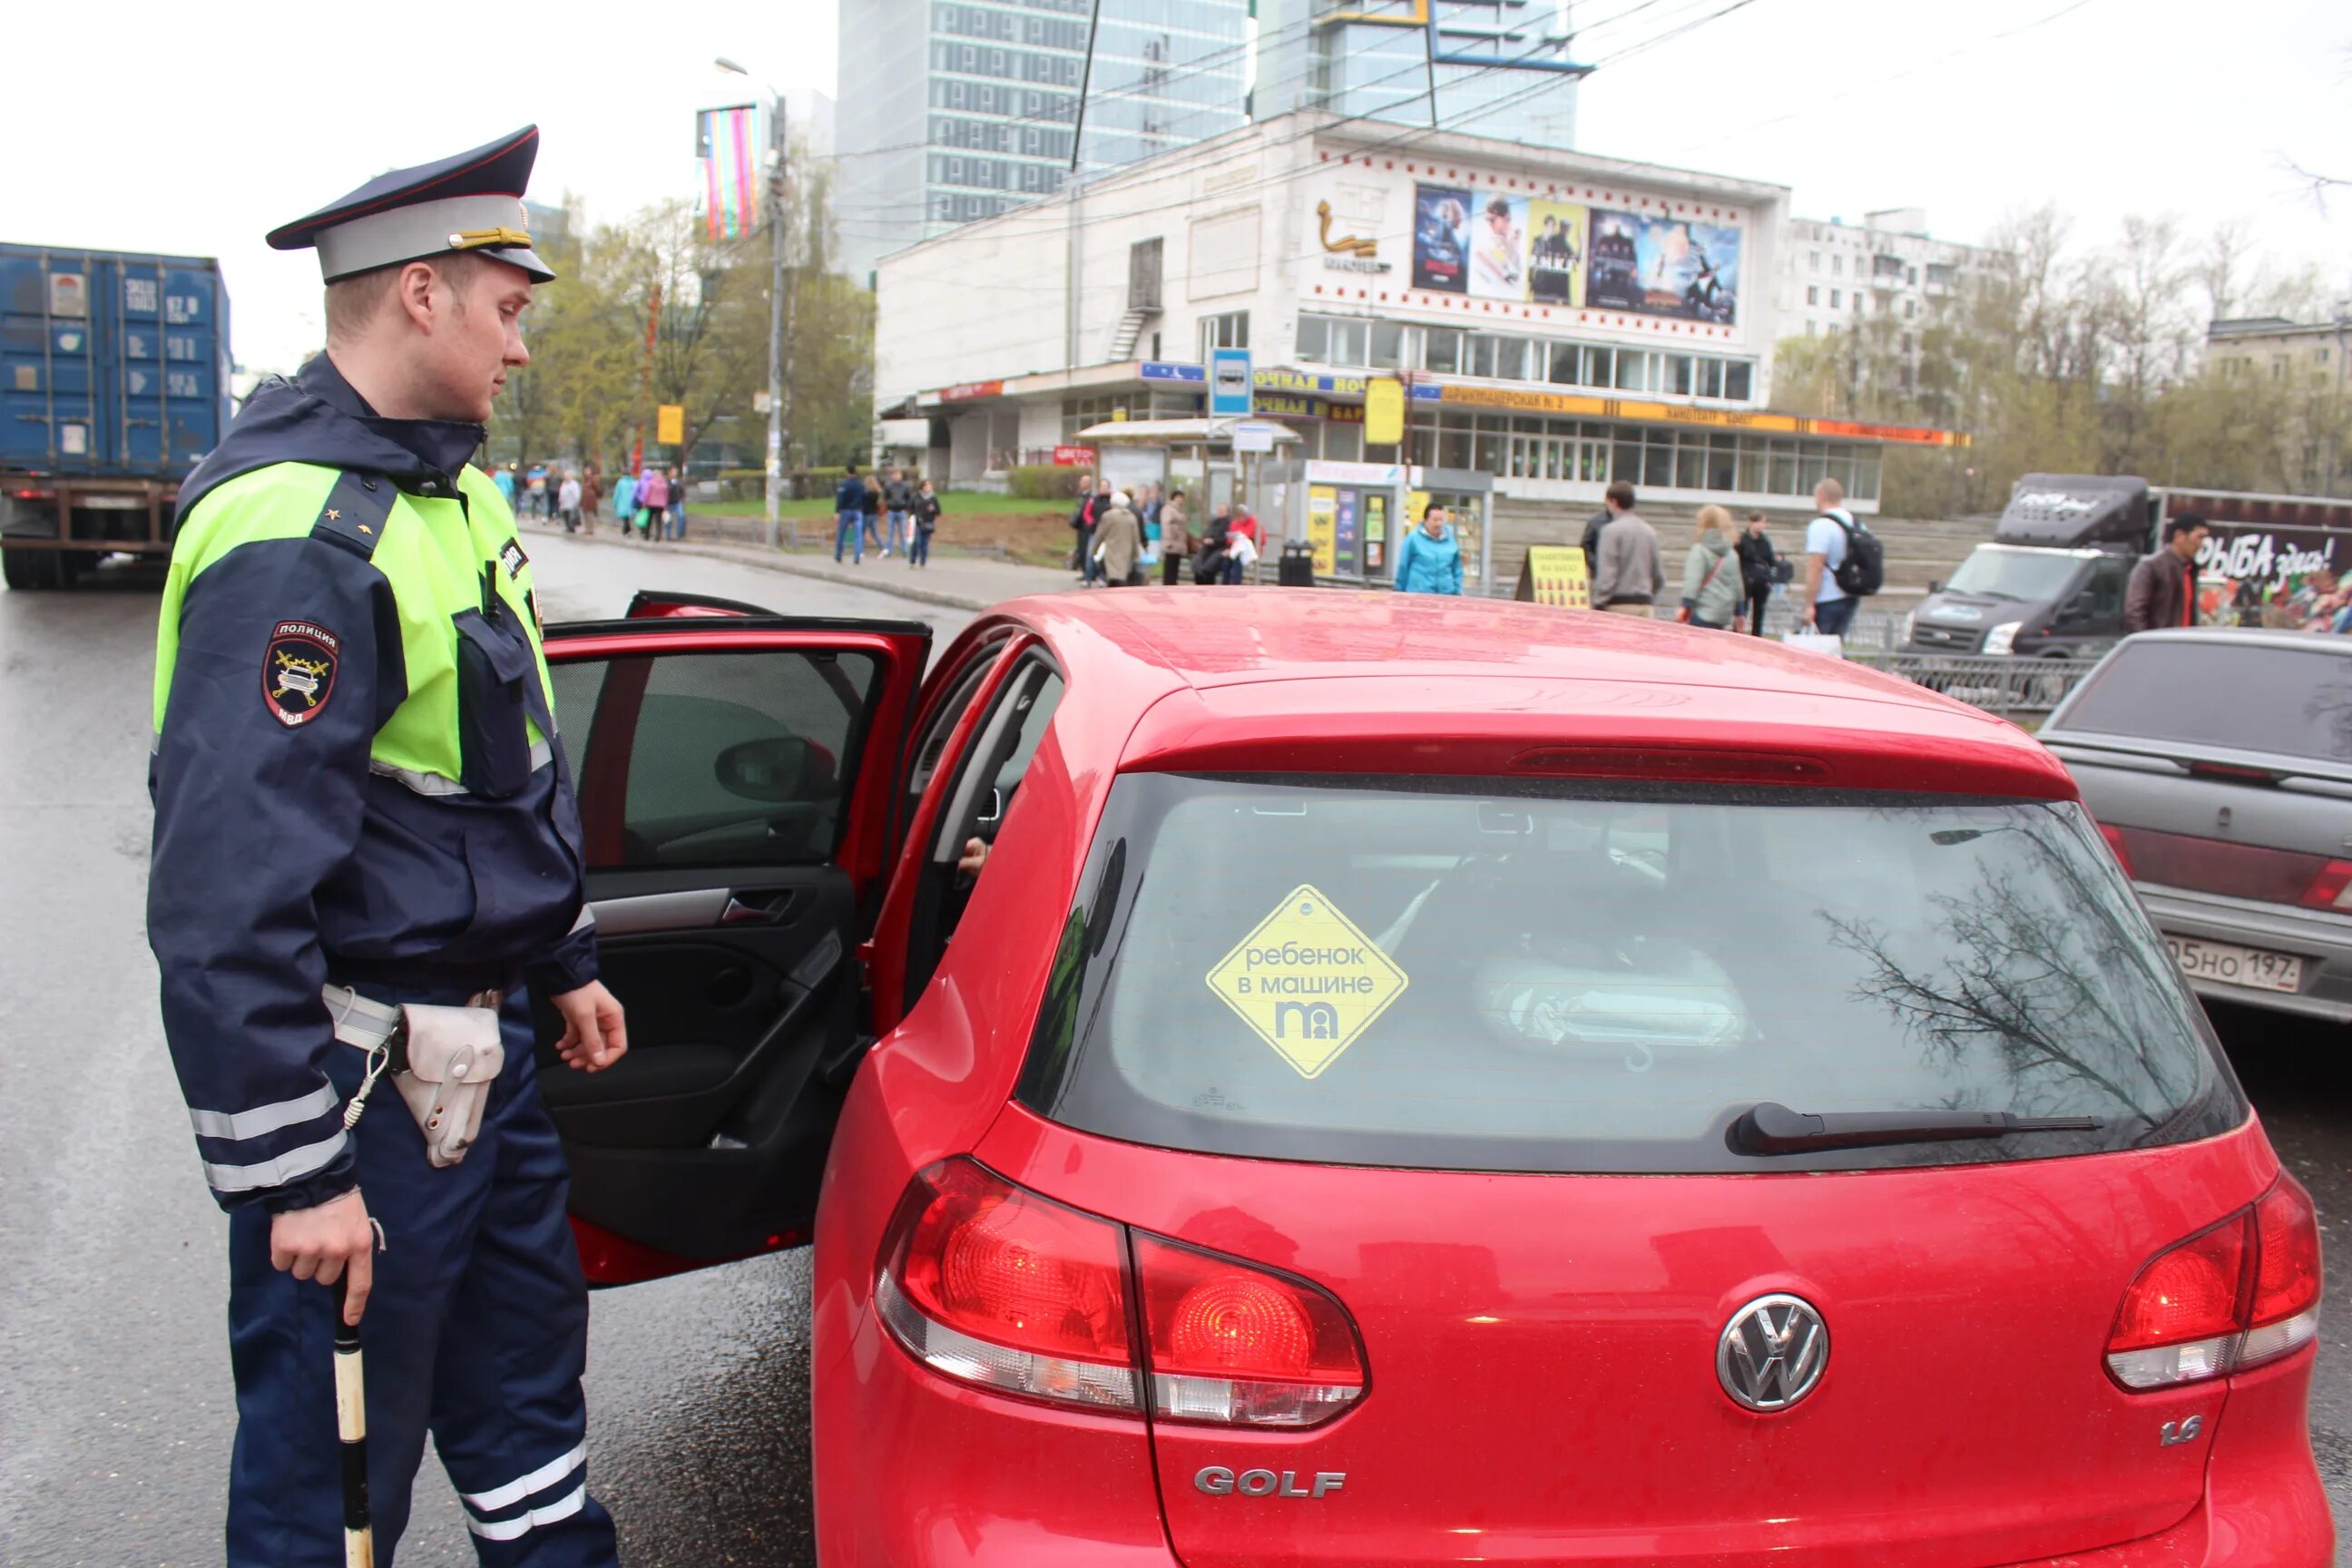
956 110
1503 68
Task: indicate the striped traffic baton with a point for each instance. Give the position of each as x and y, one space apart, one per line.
351 1425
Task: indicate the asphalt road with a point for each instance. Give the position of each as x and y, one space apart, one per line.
116 1411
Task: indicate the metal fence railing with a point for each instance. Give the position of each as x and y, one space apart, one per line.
803 533
2003 686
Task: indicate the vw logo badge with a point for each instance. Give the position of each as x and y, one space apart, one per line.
1772 1352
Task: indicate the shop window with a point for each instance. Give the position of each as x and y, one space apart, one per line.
1566 367
1388 346
1784 480
1594 463
1723 463
1690 464
1314 339
1440 348
1343 443
1601 366
1678 378
1866 477
1486 451
1754 466
1625 457
1839 466
1539 360
1453 449
1710 377
1738 377
1481 357
1658 464
1632 370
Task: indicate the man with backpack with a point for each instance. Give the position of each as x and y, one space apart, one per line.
1845 562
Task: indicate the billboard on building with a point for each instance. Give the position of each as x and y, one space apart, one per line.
1441 239
1498 248
1555 243
1664 266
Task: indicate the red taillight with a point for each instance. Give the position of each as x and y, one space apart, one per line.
997 1285
2236 1295
1232 1342
2114 837
994 1285
2331 889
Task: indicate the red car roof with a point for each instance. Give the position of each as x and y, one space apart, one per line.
1243 678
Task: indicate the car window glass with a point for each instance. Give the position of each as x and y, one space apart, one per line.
931 748
2271 697
733 759
2107 589
1492 976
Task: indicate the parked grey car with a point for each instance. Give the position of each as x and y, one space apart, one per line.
2219 764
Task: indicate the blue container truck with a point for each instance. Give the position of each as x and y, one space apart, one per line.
114 380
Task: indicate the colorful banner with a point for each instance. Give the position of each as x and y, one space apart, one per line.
1441 239
1471 395
727 149
1664 266
1323 527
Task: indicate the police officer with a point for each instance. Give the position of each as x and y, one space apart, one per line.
359 804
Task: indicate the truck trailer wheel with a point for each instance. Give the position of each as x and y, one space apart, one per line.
26 569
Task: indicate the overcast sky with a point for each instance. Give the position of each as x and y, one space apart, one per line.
194 128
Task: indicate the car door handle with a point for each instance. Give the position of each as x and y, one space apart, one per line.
765 906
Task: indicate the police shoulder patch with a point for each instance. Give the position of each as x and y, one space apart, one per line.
297 671
513 559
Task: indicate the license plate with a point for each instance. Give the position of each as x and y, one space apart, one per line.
2255 966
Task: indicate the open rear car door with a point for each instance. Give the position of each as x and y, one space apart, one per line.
735 772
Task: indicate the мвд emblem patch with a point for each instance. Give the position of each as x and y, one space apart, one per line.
297 671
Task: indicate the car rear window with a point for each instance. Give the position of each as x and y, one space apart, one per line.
1491 976
2287 701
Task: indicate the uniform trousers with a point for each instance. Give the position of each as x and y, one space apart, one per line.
476 1331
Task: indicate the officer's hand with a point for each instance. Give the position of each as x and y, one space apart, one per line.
974 857
594 1034
320 1243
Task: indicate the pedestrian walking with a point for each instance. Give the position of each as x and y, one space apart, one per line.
1081 519
1089 518
625 501
1241 545
1175 540
1711 583
2163 588
848 517
1759 569
870 509
1829 542
504 480
653 501
1119 542
924 517
1216 544
897 502
367 858
592 491
539 490
567 502
1628 574
678 503
1430 559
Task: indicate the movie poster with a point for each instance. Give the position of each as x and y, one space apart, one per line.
1612 273
1556 240
1498 248
1664 266
1441 239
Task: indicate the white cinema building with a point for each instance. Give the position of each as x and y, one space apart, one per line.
1558 321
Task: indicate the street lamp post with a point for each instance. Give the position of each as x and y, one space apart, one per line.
777 175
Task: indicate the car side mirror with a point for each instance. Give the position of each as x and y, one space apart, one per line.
772 770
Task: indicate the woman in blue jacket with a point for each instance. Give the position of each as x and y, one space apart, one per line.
1430 559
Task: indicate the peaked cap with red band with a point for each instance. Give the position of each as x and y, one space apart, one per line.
472 201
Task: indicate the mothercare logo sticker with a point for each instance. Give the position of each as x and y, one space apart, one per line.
1308 981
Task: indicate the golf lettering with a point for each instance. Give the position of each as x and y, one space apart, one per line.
1219 1481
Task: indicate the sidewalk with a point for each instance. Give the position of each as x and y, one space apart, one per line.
955 581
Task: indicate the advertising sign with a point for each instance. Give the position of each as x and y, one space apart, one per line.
1229 382
1441 239
1556 240
1323 527
669 424
728 154
1376 530
1555 575
1384 412
1498 248
1664 266
1074 457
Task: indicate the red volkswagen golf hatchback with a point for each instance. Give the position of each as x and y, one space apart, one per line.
1419 1082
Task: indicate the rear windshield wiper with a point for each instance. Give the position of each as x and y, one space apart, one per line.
1774 1129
